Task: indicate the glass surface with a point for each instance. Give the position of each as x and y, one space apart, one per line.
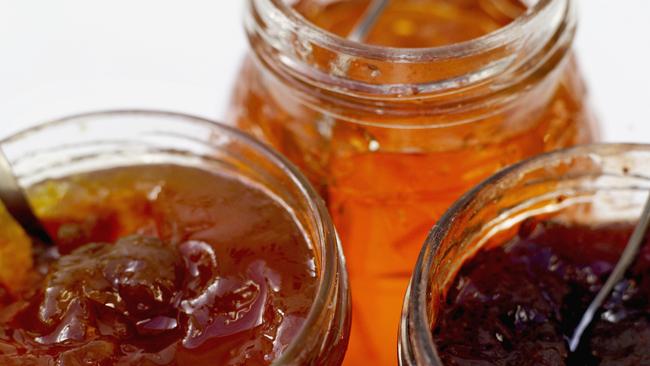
392 136
594 185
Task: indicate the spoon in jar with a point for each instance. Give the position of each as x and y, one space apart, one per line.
627 258
359 33
361 29
367 20
15 201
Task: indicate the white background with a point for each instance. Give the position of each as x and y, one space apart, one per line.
68 56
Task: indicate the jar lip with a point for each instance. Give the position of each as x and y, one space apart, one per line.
458 78
416 305
470 47
332 257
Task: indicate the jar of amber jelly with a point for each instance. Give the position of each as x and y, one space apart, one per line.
229 227
509 269
391 131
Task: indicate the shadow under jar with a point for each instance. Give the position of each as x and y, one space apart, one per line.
178 241
391 132
508 271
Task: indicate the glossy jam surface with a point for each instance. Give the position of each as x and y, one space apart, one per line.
386 186
517 303
156 265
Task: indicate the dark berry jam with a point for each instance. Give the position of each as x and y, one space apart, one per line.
517 303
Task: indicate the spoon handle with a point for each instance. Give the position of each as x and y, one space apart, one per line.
367 20
15 201
627 258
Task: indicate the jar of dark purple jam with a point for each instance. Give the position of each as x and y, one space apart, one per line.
506 274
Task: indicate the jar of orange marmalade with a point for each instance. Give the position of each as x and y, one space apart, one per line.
176 241
441 94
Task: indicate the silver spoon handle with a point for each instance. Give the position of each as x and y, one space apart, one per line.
627 258
16 203
367 20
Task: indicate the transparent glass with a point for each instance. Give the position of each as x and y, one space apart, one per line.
392 136
103 140
593 184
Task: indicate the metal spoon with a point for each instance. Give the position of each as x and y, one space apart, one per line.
15 201
627 258
367 20
359 33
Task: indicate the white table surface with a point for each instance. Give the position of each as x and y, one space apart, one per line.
68 56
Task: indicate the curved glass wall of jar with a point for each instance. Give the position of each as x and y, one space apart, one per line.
592 185
392 136
103 140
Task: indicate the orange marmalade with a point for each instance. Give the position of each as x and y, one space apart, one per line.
156 265
441 95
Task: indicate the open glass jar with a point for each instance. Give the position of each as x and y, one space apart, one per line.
121 139
392 136
592 186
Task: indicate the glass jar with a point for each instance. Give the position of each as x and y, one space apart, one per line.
392 136
88 142
591 185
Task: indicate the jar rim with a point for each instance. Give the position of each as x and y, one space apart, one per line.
454 79
415 331
474 46
331 254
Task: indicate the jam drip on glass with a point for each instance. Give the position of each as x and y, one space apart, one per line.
518 303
